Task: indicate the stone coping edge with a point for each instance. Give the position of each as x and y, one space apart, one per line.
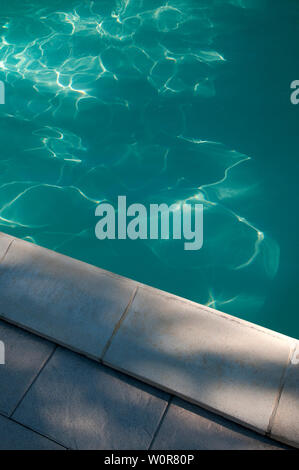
237 369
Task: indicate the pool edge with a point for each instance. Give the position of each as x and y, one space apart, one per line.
280 422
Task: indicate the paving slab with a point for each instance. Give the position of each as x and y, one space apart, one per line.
188 427
286 421
5 241
85 405
209 358
13 436
60 298
219 362
25 355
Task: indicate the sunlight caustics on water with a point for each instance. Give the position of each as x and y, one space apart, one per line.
161 101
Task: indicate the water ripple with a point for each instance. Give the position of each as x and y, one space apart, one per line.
98 94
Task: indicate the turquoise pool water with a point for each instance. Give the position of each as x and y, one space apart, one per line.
181 100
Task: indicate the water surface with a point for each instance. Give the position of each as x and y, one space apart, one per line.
181 100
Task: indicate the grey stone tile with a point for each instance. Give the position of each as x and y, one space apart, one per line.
188 427
5 241
73 303
84 405
209 358
286 421
13 436
25 355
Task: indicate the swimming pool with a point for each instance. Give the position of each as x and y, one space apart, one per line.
185 100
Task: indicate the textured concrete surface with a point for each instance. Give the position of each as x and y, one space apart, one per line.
60 298
231 367
210 358
81 404
286 421
25 356
13 436
5 241
84 405
186 427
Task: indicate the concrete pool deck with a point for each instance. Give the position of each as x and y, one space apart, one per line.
54 399
236 369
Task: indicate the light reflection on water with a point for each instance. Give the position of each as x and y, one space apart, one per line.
104 99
